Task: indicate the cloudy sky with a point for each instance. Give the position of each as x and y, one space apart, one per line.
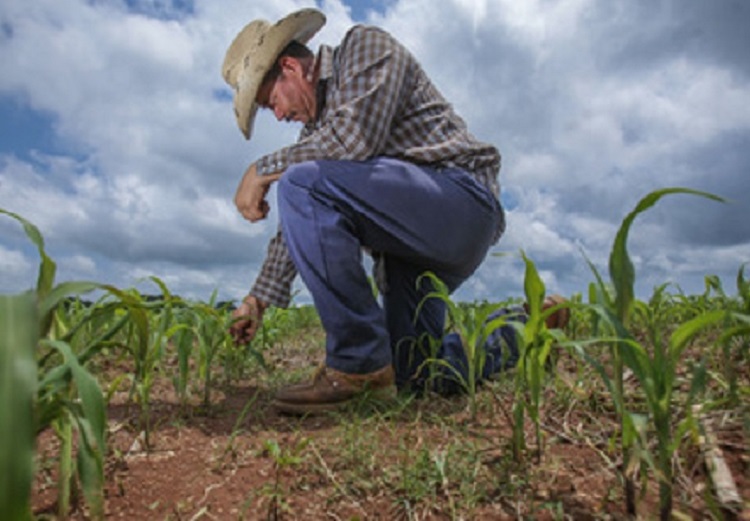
118 139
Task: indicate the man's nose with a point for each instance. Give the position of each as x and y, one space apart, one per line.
278 113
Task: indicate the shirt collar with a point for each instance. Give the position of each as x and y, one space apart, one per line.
325 61
325 58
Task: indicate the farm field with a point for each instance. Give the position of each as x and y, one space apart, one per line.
129 406
422 458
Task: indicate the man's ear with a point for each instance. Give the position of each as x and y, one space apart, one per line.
289 64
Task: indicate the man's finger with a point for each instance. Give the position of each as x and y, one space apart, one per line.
249 215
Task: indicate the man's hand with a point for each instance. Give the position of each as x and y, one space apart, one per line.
250 197
246 320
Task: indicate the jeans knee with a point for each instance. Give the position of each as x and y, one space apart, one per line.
299 175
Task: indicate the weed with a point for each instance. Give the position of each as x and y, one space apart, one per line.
282 459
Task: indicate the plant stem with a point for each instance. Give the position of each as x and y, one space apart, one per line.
629 482
65 432
665 466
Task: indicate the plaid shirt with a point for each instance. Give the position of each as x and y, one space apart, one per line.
374 100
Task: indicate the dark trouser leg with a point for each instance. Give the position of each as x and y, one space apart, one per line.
442 221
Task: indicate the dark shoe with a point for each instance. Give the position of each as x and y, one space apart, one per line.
559 319
332 390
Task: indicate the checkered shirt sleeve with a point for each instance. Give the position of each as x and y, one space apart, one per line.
274 282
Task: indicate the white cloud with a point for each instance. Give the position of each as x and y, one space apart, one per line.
77 267
17 272
590 105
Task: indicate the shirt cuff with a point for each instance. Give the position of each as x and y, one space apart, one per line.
270 164
277 297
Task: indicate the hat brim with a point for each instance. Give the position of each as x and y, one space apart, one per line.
258 57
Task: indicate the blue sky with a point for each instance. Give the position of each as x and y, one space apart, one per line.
118 139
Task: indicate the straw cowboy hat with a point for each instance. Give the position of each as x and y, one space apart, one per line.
254 51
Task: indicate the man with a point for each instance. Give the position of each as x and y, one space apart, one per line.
384 164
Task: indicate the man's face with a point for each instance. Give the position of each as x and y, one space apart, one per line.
290 96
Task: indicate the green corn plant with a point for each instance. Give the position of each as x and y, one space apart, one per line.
578 325
236 358
535 342
473 327
89 329
136 343
271 328
598 294
65 396
212 334
429 348
150 363
183 338
656 371
739 338
86 410
736 337
739 330
743 290
149 330
19 325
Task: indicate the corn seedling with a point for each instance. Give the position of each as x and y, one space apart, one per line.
736 338
183 339
66 394
89 416
212 333
654 371
535 342
18 384
473 326
146 336
235 357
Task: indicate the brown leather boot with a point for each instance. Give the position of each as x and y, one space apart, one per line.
331 390
559 319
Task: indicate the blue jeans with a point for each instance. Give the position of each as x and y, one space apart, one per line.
417 219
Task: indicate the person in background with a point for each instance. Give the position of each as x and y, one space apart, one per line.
383 164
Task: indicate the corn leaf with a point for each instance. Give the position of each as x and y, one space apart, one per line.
94 345
47 266
90 463
138 318
91 426
621 269
743 287
18 337
48 302
735 332
685 333
533 288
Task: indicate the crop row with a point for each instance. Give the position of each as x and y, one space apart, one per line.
49 340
